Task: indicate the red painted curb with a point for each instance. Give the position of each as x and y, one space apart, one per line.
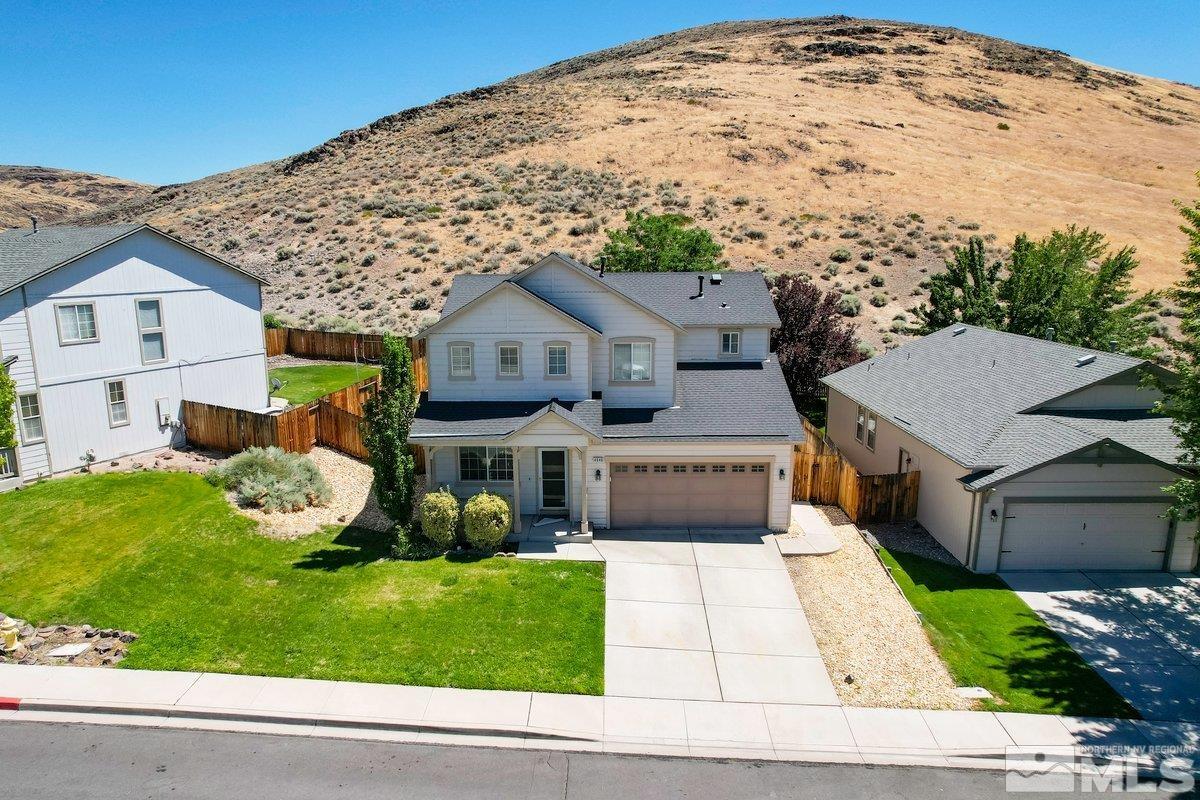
10 704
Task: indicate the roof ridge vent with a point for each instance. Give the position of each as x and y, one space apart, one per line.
961 329
1083 361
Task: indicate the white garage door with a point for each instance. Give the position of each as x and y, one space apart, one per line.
1129 536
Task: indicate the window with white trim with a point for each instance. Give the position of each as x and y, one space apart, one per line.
485 464
77 323
509 360
860 424
633 361
118 407
556 360
461 361
150 329
872 423
30 413
8 463
731 343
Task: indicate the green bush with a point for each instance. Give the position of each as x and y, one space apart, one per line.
439 518
841 255
850 305
486 519
272 479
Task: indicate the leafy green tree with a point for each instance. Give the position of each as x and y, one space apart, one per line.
965 292
1182 397
8 400
1071 283
660 243
1068 285
389 415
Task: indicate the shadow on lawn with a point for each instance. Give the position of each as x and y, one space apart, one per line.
1035 658
358 547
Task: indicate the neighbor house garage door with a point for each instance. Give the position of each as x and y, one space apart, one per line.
1084 536
724 494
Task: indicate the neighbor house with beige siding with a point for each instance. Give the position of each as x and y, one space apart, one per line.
611 400
1033 454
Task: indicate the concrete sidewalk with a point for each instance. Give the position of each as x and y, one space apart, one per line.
760 731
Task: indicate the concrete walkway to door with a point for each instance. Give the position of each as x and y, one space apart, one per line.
706 615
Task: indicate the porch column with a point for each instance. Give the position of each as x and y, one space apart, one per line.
583 495
516 454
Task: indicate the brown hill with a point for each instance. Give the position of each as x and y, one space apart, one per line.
53 195
789 139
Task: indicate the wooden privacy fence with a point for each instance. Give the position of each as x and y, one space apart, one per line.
821 474
334 420
343 347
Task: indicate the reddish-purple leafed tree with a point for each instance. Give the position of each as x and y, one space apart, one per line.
814 339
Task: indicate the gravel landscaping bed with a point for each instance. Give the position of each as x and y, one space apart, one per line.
865 628
287 360
909 537
353 502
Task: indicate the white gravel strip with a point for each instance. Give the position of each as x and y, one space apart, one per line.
865 629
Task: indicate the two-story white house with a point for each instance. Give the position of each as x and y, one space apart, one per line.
616 400
106 329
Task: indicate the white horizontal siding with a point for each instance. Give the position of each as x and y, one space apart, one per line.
508 316
445 475
617 318
32 459
1107 397
703 343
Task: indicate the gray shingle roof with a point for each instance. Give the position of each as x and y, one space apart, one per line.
25 254
743 401
972 395
744 295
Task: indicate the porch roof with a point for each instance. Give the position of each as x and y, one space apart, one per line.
442 419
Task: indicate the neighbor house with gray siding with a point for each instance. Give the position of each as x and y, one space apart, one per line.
614 400
1033 454
107 329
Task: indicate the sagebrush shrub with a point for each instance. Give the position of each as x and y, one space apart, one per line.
439 518
272 479
486 520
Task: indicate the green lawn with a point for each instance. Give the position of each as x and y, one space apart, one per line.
163 554
989 637
305 384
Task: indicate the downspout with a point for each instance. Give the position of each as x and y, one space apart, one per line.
972 530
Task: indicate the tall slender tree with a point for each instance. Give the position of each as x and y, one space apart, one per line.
8 400
1182 396
388 419
965 292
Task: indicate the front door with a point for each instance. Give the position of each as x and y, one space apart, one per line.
552 483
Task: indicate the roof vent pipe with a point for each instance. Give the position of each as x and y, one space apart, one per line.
33 219
601 261
701 294
1050 332
1112 345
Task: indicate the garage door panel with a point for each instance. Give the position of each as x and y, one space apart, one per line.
687 494
1130 536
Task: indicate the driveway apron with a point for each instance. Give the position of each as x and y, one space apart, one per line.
706 615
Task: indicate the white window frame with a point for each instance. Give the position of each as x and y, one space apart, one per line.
872 430
160 329
860 424
736 340
58 320
8 463
500 371
23 418
469 373
109 402
566 348
489 456
631 343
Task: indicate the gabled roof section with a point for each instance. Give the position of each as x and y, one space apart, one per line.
964 391
498 419
558 257
579 415
26 255
450 312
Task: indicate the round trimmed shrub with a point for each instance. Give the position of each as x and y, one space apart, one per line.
486 520
439 518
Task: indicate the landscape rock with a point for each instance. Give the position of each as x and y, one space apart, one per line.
76 645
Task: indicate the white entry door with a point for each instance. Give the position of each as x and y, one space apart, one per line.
1115 536
552 479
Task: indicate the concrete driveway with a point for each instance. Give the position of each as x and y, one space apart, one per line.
706 615
1139 630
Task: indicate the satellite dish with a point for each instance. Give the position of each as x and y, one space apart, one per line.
276 384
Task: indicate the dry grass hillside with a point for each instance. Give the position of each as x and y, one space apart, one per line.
792 140
53 195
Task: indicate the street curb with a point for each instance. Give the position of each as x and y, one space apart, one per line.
10 704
